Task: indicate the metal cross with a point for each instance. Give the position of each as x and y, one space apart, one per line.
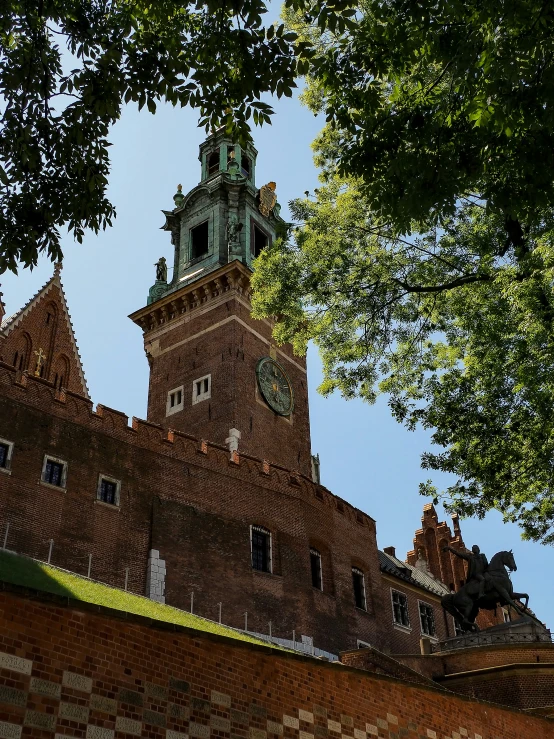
40 359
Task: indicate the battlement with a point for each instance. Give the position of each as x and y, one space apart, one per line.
41 394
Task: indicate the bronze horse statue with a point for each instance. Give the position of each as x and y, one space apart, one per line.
466 603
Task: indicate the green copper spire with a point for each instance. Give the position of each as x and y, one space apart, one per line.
224 218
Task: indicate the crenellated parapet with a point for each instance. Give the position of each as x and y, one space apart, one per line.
74 408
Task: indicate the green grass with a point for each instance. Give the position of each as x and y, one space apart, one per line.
38 576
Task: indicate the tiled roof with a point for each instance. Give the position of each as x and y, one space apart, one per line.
394 566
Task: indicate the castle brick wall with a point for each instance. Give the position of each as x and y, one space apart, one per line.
190 501
71 671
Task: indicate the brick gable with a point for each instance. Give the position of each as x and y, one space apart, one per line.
44 325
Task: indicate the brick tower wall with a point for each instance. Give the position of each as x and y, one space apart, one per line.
221 339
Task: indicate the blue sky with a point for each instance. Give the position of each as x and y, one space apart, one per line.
366 457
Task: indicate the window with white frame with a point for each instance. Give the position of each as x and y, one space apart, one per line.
400 609
108 490
175 401
201 389
427 619
54 471
6 451
315 562
260 544
358 584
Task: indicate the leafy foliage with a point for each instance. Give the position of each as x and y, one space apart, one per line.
440 123
435 100
456 329
68 66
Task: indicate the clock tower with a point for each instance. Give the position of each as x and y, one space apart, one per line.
215 372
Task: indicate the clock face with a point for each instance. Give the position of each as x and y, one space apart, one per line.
275 386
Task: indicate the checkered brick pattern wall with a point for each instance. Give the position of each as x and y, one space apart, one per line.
67 672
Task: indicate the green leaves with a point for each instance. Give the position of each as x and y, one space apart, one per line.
215 56
454 325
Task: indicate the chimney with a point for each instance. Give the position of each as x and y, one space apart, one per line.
391 551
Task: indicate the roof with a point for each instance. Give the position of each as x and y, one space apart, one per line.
394 566
11 322
30 573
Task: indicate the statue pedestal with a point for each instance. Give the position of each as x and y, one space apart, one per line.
522 630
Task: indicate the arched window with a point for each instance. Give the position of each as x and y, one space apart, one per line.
23 353
213 162
260 545
60 372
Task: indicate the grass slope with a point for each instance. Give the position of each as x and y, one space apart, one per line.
39 576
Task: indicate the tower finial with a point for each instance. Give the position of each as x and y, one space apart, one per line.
58 268
179 198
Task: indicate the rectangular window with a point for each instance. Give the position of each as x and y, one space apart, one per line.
427 619
259 240
400 609
175 401
6 449
358 583
54 471
261 549
201 389
199 240
108 490
315 561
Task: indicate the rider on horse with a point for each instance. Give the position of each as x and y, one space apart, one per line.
477 566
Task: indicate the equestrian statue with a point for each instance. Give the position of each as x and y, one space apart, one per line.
487 586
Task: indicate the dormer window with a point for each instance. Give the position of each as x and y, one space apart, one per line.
245 166
213 163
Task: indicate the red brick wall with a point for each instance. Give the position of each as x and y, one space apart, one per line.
192 504
407 641
218 336
80 673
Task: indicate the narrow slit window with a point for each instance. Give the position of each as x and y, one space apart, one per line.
245 166
315 562
261 548
358 582
199 241
213 162
427 619
260 241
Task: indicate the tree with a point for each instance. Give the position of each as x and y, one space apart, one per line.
68 66
432 101
459 337
423 267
